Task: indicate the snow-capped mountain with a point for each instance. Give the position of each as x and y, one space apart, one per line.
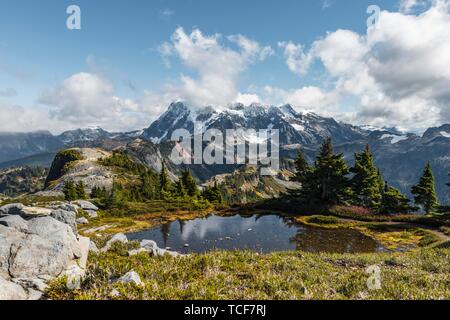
294 127
400 156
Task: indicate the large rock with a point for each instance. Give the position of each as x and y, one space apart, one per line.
8 236
13 208
67 217
16 222
85 205
54 230
11 291
119 237
33 256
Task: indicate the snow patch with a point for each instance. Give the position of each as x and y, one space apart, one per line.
445 134
394 139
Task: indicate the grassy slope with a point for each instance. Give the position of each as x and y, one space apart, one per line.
421 274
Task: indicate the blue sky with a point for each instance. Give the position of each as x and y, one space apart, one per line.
119 50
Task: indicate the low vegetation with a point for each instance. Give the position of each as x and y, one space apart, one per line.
421 274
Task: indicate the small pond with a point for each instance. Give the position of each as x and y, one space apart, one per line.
261 233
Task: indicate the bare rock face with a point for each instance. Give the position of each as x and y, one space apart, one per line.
67 217
11 291
38 246
15 222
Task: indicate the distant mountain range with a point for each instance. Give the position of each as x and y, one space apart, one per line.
401 157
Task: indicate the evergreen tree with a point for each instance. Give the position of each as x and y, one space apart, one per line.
302 168
213 194
180 189
81 192
189 183
70 191
164 182
448 184
330 176
424 192
393 201
366 180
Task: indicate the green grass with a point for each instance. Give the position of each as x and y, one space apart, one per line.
421 274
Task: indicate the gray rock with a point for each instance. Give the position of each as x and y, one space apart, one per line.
85 205
131 277
82 220
34 256
137 251
11 291
31 283
91 213
67 217
34 212
93 247
16 222
13 208
34 294
120 237
54 230
8 236
69 207
149 245
74 276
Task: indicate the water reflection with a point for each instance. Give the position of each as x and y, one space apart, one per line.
262 233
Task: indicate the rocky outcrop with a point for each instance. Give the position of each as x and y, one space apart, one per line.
37 245
79 164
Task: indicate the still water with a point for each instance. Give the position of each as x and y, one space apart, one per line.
261 233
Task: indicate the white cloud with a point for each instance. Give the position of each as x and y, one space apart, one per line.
398 71
86 99
217 66
247 98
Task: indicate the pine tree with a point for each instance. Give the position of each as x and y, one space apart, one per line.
189 183
393 201
70 191
164 182
330 175
366 180
213 194
80 190
180 189
424 192
302 168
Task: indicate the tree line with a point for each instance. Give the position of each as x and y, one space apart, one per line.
149 185
329 181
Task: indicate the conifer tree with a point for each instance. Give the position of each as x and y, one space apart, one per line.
424 192
330 176
302 168
366 180
70 191
180 189
393 201
189 183
164 182
80 190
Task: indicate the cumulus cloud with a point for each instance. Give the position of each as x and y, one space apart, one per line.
398 71
89 99
216 65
